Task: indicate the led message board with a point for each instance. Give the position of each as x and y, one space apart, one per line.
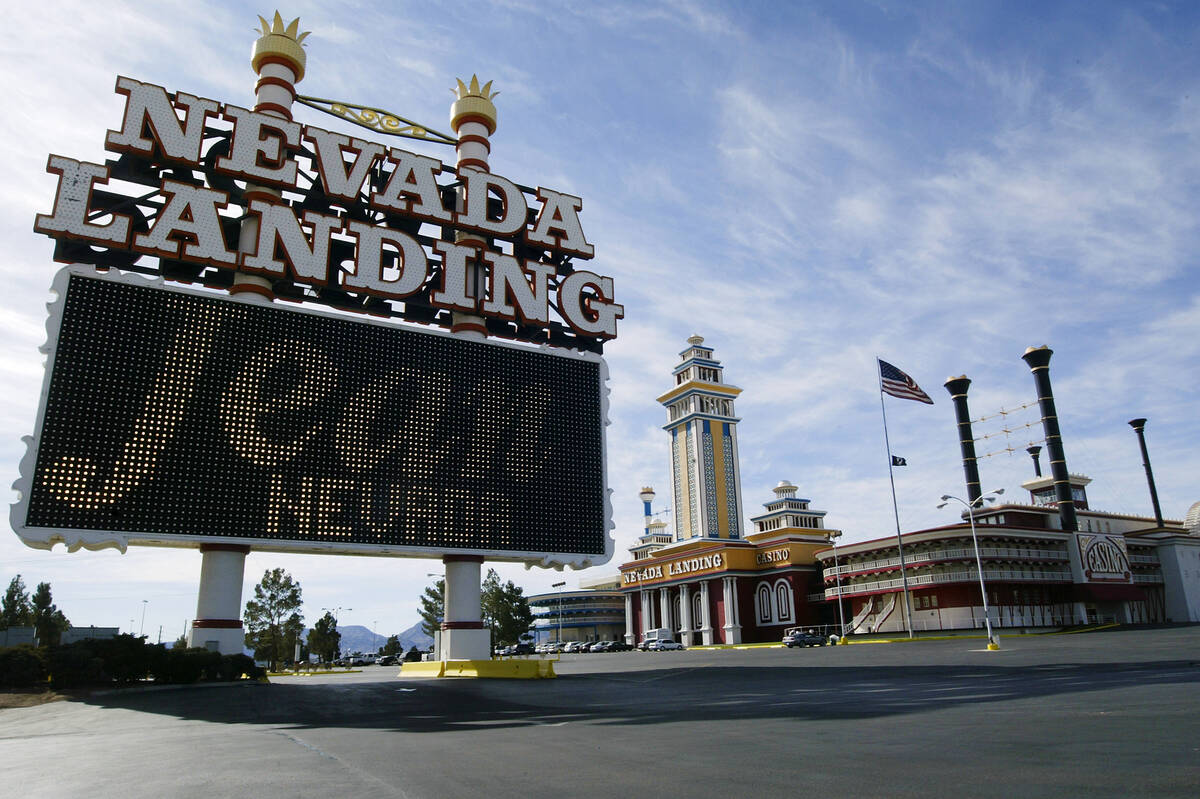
172 416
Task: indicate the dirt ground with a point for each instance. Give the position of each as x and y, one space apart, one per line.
14 697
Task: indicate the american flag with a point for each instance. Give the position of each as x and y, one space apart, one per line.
893 381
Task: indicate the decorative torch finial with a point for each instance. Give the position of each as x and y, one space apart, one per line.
280 41
474 103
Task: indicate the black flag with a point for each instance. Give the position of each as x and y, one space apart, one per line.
898 461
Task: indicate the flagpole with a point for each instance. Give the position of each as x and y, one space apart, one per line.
895 509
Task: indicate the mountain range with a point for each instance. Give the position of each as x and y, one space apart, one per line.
357 638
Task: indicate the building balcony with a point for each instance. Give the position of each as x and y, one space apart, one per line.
939 578
955 553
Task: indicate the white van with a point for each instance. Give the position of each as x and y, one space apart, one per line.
657 634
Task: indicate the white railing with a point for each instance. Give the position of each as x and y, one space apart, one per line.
857 621
1153 559
952 554
950 577
1148 578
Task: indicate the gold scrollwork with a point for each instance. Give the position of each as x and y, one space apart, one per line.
375 119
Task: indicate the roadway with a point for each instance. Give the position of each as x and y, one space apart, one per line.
1110 713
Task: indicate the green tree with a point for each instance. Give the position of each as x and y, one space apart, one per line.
15 608
180 642
324 638
433 607
48 621
505 610
273 620
392 647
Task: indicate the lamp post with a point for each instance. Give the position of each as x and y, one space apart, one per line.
971 508
834 535
559 586
142 627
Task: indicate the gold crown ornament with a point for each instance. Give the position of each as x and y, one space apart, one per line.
280 41
474 103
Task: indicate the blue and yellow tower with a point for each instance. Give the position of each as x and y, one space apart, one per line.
704 455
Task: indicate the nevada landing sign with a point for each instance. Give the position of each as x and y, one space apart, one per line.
363 185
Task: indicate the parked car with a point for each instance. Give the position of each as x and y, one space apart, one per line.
663 645
620 646
793 638
602 646
386 660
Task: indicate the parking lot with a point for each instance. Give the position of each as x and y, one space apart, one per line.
1110 713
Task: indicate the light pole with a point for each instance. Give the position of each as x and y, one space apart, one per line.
971 508
834 535
142 627
559 586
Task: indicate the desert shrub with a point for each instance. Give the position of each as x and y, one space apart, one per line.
76 666
22 666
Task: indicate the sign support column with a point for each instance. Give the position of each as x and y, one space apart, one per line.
464 636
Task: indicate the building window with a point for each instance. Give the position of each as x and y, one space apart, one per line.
933 600
783 602
764 603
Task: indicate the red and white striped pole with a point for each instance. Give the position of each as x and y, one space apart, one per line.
473 120
278 59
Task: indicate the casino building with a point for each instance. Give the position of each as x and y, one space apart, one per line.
1051 561
1116 568
707 580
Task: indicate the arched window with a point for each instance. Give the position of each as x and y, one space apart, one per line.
697 610
783 602
763 603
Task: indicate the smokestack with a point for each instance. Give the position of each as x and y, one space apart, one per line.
1034 451
957 386
1038 359
1139 426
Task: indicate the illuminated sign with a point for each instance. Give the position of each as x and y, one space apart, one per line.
674 568
1104 558
772 556
177 415
337 220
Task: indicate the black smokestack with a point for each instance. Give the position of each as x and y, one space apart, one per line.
957 386
1139 426
1034 451
1038 359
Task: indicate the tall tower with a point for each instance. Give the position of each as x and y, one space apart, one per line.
704 459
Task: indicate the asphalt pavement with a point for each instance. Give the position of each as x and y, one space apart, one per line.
1114 713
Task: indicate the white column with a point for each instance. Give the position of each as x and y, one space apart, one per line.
463 635
733 630
647 613
685 614
706 631
630 636
218 622
664 607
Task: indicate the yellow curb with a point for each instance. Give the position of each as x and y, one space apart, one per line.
485 669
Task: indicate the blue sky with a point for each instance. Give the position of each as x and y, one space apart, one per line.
807 185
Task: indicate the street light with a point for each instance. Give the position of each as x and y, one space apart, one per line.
971 508
143 625
834 535
559 586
